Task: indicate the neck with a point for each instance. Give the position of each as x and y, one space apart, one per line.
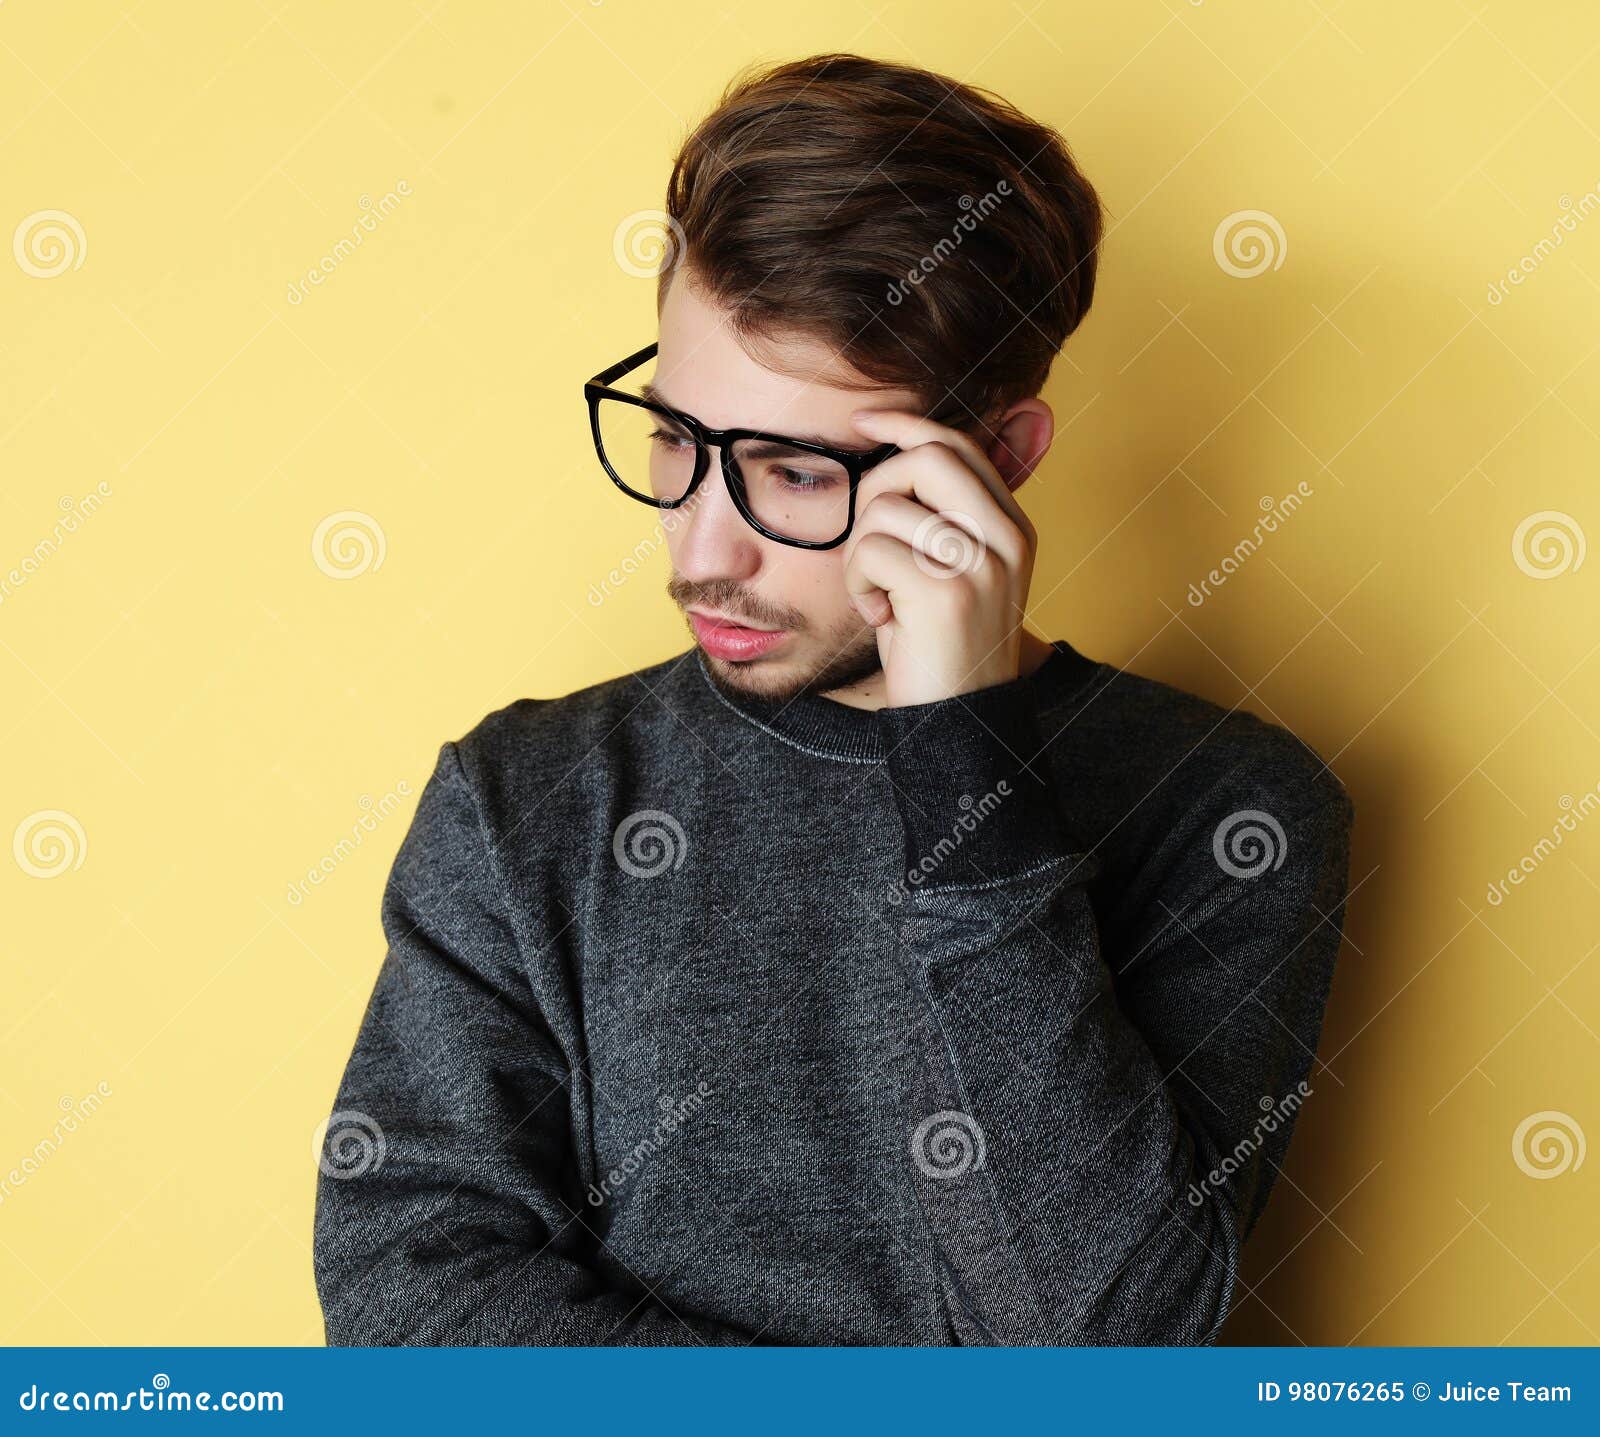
869 692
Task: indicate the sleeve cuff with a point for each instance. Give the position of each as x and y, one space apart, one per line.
972 783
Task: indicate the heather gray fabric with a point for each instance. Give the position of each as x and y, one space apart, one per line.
708 1020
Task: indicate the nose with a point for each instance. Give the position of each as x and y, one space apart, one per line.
711 539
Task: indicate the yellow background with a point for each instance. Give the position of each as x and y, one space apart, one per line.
210 706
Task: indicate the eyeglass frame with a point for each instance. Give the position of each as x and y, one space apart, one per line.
855 462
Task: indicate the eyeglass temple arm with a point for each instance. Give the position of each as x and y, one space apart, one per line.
622 366
633 361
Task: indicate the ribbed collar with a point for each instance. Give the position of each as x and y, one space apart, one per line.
829 729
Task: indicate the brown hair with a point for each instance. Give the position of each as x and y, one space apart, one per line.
935 237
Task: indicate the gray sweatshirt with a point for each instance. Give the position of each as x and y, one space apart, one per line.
706 1019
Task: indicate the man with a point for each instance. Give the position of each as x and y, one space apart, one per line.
875 971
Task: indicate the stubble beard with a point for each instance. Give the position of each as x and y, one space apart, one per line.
850 654
849 651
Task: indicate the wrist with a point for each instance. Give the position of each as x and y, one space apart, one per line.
971 779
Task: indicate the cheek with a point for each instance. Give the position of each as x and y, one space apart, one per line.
804 587
818 587
825 577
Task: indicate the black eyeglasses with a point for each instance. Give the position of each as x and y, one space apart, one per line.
789 490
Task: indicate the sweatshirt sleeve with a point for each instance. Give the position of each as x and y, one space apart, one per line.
1092 1135
448 1208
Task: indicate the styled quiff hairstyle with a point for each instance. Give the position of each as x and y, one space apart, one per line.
928 232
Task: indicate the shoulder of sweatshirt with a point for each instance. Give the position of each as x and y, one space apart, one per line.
1136 758
1133 757
561 757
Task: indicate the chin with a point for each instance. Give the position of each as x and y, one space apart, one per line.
782 678
775 678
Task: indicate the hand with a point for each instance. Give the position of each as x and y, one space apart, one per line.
939 561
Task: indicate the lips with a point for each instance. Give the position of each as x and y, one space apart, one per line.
724 639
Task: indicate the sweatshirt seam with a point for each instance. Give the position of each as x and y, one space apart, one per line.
1230 1268
1061 700
987 884
502 888
993 1200
576 1081
784 738
497 875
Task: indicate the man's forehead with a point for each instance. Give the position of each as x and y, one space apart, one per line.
703 360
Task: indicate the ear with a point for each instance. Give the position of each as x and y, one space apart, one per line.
1019 439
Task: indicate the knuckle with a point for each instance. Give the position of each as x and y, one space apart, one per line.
886 504
949 458
874 543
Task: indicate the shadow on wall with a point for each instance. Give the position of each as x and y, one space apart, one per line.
1159 495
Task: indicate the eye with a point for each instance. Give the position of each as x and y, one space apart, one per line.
804 482
671 439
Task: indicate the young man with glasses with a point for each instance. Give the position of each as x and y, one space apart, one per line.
876 971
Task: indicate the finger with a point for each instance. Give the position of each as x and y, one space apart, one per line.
940 481
908 431
949 542
874 608
900 426
880 567
885 566
873 603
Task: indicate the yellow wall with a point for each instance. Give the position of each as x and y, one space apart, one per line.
212 708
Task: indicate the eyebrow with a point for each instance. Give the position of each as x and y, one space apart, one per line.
767 450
